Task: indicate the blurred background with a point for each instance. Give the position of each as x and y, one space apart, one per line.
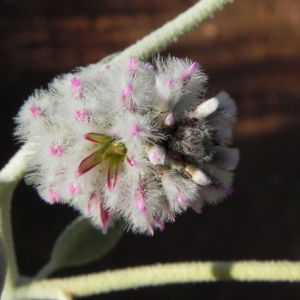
251 50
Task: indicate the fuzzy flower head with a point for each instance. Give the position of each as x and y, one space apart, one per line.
132 140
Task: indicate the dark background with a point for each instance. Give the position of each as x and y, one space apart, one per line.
251 50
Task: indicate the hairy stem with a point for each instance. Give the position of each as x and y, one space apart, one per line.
9 178
172 31
161 274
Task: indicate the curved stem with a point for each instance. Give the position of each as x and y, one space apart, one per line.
9 178
14 170
160 274
172 31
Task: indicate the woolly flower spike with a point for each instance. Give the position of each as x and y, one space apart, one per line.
136 142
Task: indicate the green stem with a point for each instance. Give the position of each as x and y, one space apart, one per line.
172 31
160 274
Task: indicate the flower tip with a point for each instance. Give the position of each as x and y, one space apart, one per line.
157 155
206 108
186 75
159 224
229 191
104 216
195 206
169 120
198 176
150 230
194 66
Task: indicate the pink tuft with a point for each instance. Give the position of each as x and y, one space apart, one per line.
74 189
159 224
132 64
54 196
56 150
35 111
186 75
196 207
229 191
76 84
127 92
132 161
127 97
171 216
81 114
150 228
140 196
170 82
135 129
149 66
181 199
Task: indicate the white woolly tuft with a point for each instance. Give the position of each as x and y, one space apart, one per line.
205 108
171 88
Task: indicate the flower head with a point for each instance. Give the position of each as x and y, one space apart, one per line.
133 141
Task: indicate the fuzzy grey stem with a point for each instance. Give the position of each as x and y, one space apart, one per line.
3 265
172 31
10 175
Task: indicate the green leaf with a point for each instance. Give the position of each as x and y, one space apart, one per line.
90 162
81 243
98 138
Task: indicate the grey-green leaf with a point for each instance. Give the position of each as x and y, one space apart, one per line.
81 243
